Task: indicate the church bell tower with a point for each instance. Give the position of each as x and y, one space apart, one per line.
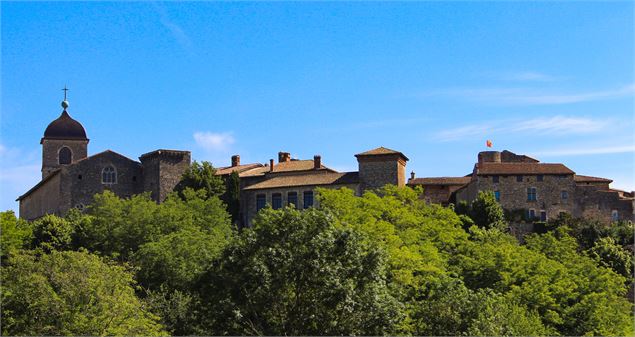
64 142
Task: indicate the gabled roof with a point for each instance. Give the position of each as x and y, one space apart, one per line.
589 179
240 168
42 182
379 152
488 168
57 171
287 166
440 181
310 178
163 152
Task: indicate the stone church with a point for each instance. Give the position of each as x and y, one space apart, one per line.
70 178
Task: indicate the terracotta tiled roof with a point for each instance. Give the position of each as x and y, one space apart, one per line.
521 168
288 166
240 168
312 178
380 151
440 181
588 179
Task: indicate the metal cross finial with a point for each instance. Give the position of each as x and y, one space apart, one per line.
65 90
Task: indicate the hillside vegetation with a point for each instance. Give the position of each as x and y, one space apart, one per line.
385 263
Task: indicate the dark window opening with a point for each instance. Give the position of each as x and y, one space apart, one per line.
65 156
276 201
308 199
292 199
495 179
109 175
134 178
261 201
79 177
540 177
564 195
519 179
543 216
531 194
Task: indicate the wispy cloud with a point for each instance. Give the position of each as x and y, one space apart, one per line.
541 125
528 76
585 151
530 96
214 142
175 30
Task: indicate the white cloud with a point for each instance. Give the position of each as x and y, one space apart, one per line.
542 125
530 96
214 142
585 151
175 30
528 76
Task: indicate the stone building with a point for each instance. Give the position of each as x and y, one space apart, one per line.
70 178
292 181
540 190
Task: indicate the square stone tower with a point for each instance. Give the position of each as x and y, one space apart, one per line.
381 166
162 170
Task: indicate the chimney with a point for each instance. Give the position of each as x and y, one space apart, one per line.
284 157
317 162
235 160
270 165
412 175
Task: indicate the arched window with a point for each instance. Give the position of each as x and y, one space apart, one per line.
108 175
65 156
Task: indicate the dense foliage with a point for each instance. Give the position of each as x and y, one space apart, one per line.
382 263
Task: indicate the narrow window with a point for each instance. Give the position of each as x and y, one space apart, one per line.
108 175
615 215
543 215
564 195
292 199
261 201
65 156
531 194
540 177
79 177
495 179
497 195
519 179
276 201
308 199
531 214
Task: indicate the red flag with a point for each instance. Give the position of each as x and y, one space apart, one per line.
488 143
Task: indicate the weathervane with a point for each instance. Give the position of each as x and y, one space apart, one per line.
65 102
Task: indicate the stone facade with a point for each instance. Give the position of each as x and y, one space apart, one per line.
73 184
545 190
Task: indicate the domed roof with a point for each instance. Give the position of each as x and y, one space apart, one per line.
65 127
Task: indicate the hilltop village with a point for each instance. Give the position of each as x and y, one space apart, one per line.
70 178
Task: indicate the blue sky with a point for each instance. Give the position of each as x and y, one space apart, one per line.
433 80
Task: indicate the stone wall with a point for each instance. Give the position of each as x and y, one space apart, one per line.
375 172
248 198
80 182
163 170
44 200
50 151
513 194
599 204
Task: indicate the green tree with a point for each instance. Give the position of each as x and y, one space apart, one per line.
118 227
53 233
487 212
294 273
14 233
71 293
609 254
232 196
201 176
176 260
